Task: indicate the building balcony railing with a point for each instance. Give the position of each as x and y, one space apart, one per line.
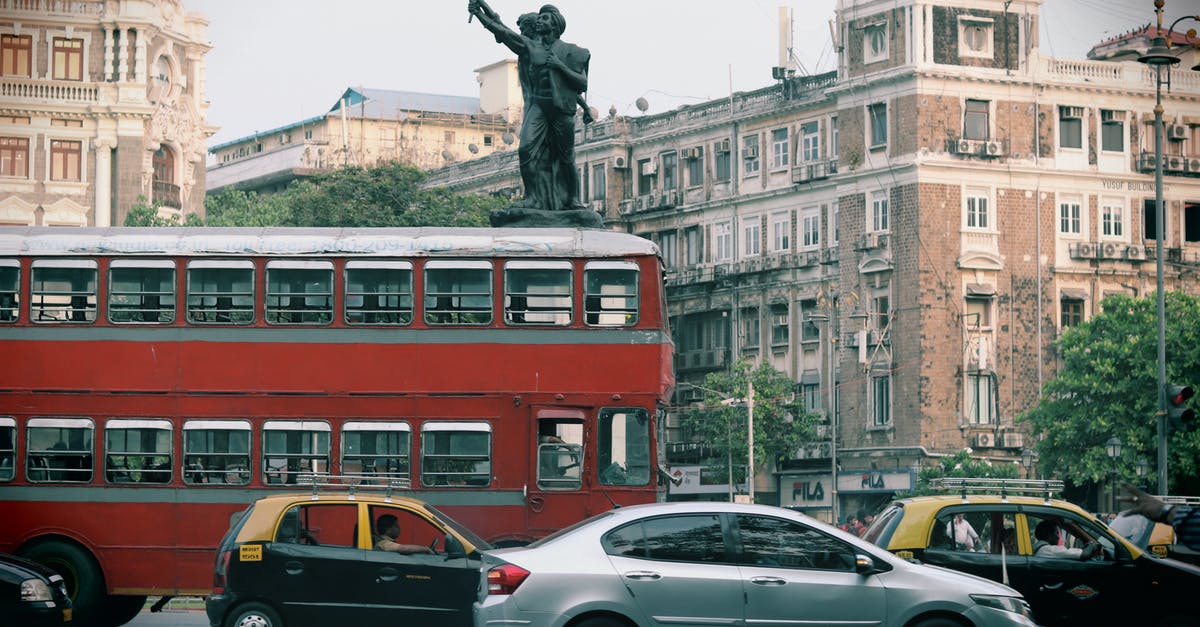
166 194
704 359
87 8
26 89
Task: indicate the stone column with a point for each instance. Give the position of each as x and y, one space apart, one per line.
139 58
102 185
107 74
123 61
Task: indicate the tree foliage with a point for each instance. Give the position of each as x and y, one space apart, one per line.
146 214
1108 387
781 425
960 464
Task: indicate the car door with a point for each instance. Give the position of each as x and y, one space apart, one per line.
304 570
418 589
990 549
793 574
678 570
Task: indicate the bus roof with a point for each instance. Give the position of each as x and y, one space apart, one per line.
366 242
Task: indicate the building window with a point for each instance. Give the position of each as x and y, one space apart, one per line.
646 172
668 245
833 223
670 171
810 331
881 400
722 241
833 138
299 292
695 168
879 212
977 209
1069 216
291 447
610 293
781 231
1072 312
811 142
780 325
63 291
1070 127
65 160
978 313
981 400
810 228
881 311
16 51
537 292
216 451
1112 130
456 454
750 162
750 327
14 156
141 291
975 120
458 292
811 395
975 37
694 250
752 236
166 192
599 182
379 292
877 114
137 451
1112 218
721 166
780 154
875 43
1150 218
68 59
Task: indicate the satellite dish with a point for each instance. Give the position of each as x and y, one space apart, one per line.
508 138
446 155
642 104
473 148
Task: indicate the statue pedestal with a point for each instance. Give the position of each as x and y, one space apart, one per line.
526 217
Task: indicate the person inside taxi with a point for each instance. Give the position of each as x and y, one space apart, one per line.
1048 543
387 529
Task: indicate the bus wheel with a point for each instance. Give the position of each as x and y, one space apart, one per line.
80 573
253 615
119 610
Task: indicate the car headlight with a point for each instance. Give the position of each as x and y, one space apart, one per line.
35 590
1017 605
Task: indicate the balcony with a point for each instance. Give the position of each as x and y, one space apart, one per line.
77 8
26 89
704 359
166 194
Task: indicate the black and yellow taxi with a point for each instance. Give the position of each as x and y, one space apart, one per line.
1157 538
1082 573
310 559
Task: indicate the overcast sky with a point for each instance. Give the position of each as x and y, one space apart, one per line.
275 62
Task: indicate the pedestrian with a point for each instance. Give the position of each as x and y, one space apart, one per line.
1185 519
963 534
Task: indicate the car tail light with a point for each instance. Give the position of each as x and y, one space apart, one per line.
220 571
505 579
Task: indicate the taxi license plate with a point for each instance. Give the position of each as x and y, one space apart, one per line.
67 614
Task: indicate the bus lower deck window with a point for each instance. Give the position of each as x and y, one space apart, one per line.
59 449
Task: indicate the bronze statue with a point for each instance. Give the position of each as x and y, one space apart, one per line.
553 77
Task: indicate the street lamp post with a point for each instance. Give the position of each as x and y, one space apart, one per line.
1142 466
824 320
1027 462
1159 57
1113 447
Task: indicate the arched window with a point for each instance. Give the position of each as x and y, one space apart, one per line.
166 192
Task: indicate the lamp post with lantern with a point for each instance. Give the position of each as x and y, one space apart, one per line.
1113 448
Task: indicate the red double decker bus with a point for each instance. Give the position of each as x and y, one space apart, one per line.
156 381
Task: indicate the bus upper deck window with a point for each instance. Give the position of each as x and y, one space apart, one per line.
8 440
59 449
137 451
458 292
141 291
63 290
10 292
611 293
537 293
379 292
220 292
299 292
216 452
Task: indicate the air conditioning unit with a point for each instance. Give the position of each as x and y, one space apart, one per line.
1193 165
649 168
1146 162
800 174
1083 250
1177 132
1111 250
750 152
868 241
643 202
984 440
670 198
721 145
620 163
994 148
1135 252
964 147
627 207
1012 440
1173 163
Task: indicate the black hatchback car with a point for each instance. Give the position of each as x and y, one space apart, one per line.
308 560
31 594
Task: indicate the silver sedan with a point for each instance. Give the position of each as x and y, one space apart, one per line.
726 564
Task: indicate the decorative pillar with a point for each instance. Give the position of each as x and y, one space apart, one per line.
123 53
107 74
139 58
102 184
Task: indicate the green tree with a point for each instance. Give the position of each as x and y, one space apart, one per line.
960 464
781 425
146 214
1107 387
233 207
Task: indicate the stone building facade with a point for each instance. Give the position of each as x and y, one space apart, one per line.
905 236
101 108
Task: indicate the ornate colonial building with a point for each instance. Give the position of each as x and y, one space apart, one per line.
905 236
101 107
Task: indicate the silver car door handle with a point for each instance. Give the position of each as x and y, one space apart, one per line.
292 567
642 575
1051 586
767 581
387 574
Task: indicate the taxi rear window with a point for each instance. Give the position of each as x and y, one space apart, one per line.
880 532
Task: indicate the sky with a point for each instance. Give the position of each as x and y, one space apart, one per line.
275 62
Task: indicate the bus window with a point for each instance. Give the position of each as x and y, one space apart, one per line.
610 293
137 451
458 292
216 451
141 291
560 454
10 292
220 292
299 292
63 290
379 292
537 292
376 449
456 454
291 447
8 440
624 447
59 449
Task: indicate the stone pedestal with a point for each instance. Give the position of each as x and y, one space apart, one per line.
525 217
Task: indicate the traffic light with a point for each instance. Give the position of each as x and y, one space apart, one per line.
1181 416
